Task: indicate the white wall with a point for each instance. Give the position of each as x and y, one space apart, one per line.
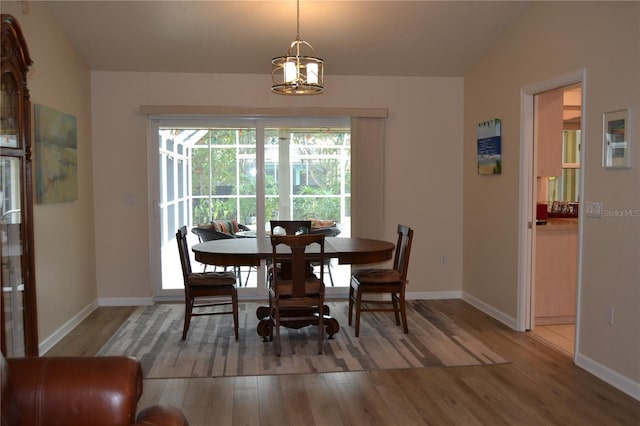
422 164
552 39
64 239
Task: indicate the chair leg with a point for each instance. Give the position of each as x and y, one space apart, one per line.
350 302
187 317
278 348
234 304
330 275
246 281
272 322
268 278
238 274
396 309
358 310
403 312
320 327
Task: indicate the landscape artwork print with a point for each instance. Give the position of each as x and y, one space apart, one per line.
56 142
489 147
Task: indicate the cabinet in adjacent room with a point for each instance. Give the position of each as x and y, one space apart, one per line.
548 130
556 272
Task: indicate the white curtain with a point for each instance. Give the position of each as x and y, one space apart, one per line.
367 177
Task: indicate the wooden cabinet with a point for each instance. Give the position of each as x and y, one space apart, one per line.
556 272
18 295
548 133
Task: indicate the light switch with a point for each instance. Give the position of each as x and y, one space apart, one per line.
593 209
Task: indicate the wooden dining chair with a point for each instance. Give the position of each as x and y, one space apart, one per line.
297 297
332 231
291 227
209 233
220 285
383 281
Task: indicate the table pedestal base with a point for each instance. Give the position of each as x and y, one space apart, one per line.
264 323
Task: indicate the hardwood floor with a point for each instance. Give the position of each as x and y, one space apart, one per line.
540 386
91 335
560 336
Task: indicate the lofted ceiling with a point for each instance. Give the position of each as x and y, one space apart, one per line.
381 38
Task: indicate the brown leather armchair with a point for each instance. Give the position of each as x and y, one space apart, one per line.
77 391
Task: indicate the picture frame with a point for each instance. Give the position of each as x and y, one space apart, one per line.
616 139
489 144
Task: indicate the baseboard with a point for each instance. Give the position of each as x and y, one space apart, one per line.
613 378
125 301
433 295
507 320
66 328
567 319
428 295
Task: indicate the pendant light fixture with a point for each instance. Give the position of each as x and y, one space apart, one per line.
298 73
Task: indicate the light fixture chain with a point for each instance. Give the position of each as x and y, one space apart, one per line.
298 20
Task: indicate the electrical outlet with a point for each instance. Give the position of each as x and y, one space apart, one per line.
443 260
130 199
610 315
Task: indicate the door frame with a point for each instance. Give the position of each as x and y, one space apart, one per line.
526 237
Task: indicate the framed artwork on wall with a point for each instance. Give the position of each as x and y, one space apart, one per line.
616 139
56 137
489 140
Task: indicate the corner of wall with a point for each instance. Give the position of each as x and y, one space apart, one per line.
506 319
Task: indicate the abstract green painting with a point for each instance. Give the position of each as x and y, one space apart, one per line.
56 142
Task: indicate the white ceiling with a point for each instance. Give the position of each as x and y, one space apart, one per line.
392 38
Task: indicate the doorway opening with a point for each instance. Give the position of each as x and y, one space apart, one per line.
557 164
552 187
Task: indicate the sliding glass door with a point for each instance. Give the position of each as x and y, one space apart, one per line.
307 174
249 171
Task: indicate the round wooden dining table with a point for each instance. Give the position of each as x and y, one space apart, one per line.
251 251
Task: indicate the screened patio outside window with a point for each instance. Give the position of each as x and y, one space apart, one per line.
212 173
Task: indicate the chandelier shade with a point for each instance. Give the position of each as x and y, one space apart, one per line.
300 71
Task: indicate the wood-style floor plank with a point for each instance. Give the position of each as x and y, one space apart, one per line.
540 386
93 332
153 390
393 398
245 401
174 393
197 399
322 400
221 406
